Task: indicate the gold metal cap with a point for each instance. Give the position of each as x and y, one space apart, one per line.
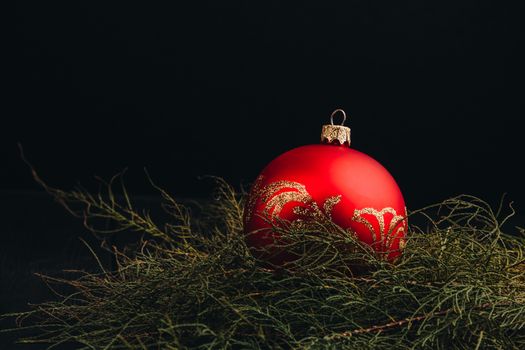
336 134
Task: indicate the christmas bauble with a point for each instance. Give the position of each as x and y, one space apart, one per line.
327 181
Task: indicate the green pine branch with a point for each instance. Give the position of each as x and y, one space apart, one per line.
192 283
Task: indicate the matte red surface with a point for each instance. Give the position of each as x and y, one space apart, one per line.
329 170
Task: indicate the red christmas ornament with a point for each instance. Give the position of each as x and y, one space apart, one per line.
327 181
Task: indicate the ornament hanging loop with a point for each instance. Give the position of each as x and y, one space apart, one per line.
334 113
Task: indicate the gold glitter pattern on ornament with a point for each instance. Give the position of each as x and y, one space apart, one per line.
301 211
276 200
329 205
278 194
384 236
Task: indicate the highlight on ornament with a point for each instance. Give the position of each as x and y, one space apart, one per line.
318 255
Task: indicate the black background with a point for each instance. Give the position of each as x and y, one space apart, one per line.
434 91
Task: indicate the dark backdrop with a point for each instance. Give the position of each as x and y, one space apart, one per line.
434 92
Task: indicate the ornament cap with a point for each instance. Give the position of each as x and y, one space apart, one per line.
336 134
